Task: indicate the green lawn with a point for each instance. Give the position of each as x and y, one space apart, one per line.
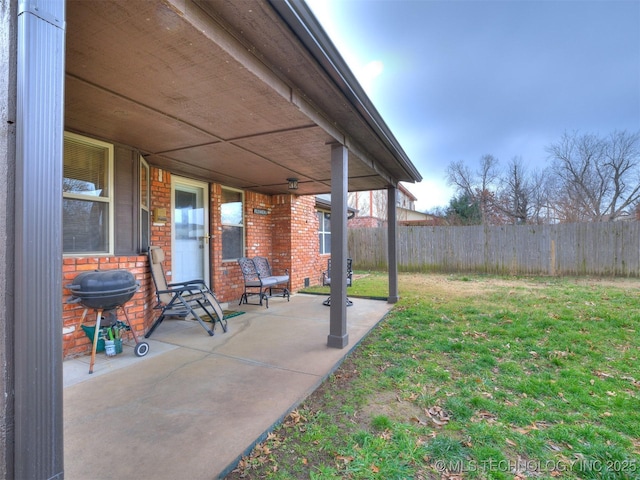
473 377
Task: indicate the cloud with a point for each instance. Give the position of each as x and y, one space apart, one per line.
367 75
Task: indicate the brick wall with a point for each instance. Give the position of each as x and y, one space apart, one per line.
369 222
309 264
138 309
160 234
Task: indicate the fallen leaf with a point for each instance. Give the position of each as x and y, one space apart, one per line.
344 459
437 415
418 421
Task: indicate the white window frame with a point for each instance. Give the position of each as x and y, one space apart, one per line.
145 208
92 198
241 225
322 246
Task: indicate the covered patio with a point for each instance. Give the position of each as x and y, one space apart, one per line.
243 95
195 404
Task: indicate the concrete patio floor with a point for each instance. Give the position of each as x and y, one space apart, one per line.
195 404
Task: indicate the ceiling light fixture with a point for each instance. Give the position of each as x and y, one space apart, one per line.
293 183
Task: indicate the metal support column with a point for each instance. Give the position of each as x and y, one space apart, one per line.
392 225
38 239
338 336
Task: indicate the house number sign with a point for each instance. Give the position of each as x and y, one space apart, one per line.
260 211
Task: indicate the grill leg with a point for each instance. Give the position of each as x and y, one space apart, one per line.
96 335
133 332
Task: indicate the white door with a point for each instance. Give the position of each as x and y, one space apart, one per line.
190 230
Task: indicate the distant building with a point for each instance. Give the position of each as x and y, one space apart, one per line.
371 209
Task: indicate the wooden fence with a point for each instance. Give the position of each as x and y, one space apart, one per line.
609 249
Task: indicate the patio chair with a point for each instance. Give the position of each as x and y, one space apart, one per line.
183 299
326 279
258 282
281 281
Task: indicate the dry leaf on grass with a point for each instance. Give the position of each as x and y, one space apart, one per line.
437 415
294 418
484 415
344 459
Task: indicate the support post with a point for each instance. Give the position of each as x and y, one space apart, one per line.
338 336
392 226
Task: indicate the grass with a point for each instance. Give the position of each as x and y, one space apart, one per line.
365 285
476 378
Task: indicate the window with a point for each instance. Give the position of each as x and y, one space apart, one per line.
324 231
232 209
87 196
145 202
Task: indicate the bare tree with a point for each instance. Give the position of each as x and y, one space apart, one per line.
599 178
622 160
514 193
543 210
479 186
372 203
459 176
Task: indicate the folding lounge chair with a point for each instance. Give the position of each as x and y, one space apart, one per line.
182 299
326 279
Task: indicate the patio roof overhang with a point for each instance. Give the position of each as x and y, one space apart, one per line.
245 93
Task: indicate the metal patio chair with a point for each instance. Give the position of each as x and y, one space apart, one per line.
326 279
281 281
183 299
259 282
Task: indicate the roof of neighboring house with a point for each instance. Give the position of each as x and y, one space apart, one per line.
404 190
324 202
246 93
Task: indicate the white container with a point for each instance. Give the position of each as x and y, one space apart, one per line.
110 348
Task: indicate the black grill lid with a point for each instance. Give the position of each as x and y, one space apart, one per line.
103 289
100 281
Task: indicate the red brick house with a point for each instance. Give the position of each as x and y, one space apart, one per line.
170 122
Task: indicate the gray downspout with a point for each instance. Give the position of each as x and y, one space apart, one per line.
392 226
38 235
338 336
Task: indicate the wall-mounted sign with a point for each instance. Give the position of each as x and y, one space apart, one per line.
260 211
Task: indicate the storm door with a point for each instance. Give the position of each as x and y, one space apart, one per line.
190 230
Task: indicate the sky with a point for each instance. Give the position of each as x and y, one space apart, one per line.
455 80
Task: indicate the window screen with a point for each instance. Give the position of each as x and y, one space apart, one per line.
324 231
232 209
87 223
